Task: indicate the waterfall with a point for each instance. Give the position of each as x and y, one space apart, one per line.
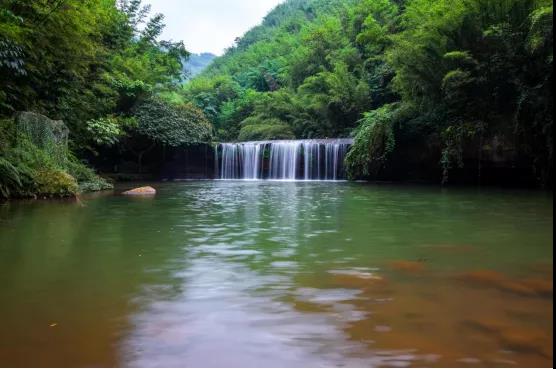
251 159
282 160
230 161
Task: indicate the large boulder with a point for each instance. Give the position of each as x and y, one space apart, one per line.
41 130
48 135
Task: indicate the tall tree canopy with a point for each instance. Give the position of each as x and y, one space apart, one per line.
90 63
80 60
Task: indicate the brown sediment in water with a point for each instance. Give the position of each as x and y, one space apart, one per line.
433 325
529 340
530 286
92 346
542 287
407 266
344 279
438 321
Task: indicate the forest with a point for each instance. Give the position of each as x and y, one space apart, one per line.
428 89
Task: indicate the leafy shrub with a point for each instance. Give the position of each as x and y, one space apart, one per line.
88 180
455 137
374 142
10 182
172 125
98 184
7 134
20 161
104 131
27 170
55 183
27 154
270 129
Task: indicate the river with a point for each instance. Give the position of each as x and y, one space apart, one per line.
262 273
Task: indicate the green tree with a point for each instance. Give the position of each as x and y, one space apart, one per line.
160 123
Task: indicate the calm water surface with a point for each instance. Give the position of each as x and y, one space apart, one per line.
279 274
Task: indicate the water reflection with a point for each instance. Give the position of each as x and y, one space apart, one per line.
273 279
279 274
241 262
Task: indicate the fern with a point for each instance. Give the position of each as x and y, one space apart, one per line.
374 143
10 180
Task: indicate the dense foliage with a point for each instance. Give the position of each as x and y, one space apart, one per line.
448 83
172 125
425 87
89 63
35 160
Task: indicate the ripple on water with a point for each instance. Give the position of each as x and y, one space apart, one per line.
280 274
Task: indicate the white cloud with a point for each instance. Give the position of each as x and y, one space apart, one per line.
210 25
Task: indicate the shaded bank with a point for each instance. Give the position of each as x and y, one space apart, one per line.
498 167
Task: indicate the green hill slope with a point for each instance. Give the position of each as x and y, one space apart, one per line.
424 86
196 63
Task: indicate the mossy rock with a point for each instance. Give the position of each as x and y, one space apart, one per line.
55 183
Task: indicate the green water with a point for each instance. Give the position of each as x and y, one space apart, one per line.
279 274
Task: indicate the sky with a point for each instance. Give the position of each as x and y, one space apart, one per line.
209 25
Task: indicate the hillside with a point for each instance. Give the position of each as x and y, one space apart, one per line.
197 63
429 89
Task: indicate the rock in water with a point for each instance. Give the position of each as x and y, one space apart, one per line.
141 191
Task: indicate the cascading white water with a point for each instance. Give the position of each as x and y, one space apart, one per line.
282 160
230 161
251 159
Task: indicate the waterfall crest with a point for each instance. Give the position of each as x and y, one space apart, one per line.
282 160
